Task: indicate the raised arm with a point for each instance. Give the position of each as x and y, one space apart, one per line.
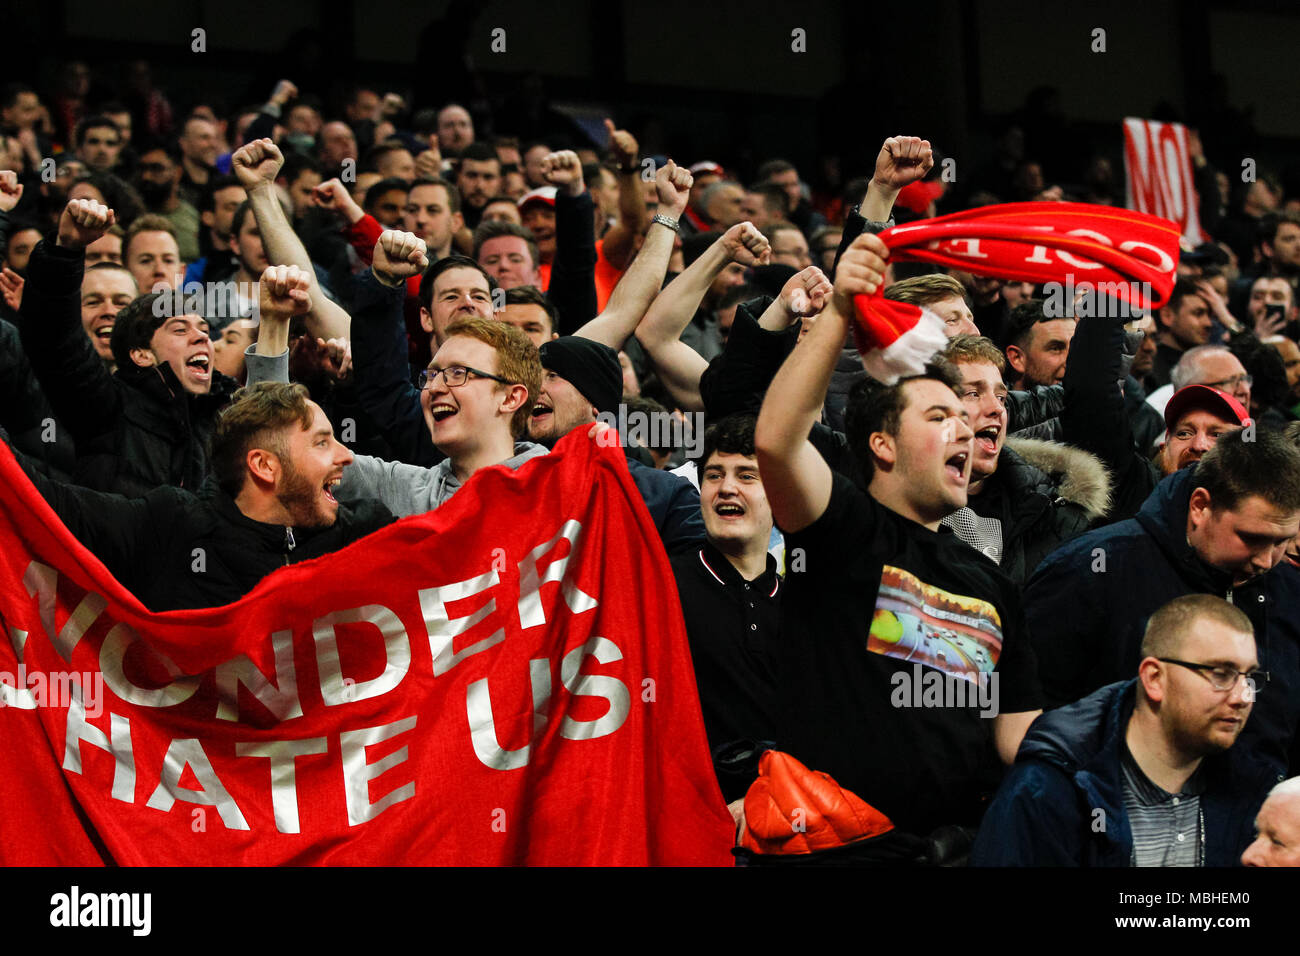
256 165
901 160
633 217
573 272
73 377
645 277
796 478
659 333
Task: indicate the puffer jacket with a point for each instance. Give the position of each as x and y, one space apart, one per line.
1044 494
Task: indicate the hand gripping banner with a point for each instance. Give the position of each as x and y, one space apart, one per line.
505 680
1129 256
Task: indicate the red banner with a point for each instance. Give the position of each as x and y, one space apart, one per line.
1158 168
505 680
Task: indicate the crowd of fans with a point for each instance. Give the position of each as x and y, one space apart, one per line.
1052 584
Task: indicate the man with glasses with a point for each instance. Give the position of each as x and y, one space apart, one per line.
1219 527
1143 772
476 396
1211 365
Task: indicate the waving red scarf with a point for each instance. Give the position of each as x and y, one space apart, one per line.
1130 255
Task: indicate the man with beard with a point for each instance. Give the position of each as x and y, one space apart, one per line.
1143 772
158 179
581 380
478 177
1037 346
1220 527
276 463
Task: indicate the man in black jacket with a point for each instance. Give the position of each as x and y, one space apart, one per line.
147 424
1220 527
275 461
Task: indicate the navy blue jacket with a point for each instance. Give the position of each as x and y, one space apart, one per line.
1068 768
1088 603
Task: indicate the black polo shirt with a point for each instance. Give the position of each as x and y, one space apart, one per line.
733 626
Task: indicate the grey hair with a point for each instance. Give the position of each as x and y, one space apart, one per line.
713 189
1287 788
1189 365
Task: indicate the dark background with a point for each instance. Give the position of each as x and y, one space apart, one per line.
717 79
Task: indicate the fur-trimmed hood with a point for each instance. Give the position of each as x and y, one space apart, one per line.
1078 476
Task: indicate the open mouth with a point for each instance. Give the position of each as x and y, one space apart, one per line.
329 485
540 410
200 365
987 439
103 332
727 509
441 411
956 465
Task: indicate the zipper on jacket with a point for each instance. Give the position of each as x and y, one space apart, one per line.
1228 597
289 543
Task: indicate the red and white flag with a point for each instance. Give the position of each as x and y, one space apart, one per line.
1130 256
1158 167
505 680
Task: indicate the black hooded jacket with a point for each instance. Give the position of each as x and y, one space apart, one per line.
135 429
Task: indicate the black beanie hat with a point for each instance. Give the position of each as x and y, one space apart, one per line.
590 367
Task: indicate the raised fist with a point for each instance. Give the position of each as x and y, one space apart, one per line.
283 292
334 196
257 163
861 270
673 184
284 92
82 222
428 165
11 190
398 256
622 145
392 105
903 160
806 292
746 245
564 170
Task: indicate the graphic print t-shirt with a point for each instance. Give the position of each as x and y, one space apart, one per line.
891 630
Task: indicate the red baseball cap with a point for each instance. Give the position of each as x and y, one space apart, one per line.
707 166
1208 399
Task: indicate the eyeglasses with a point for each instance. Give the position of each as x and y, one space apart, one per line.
1222 677
1231 383
455 376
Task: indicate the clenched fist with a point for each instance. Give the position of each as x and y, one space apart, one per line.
902 160
806 292
256 164
334 196
11 190
673 184
82 222
283 293
564 170
622 145
398 256
861 270
746 245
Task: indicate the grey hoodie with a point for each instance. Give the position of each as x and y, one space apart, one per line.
413 489
404 489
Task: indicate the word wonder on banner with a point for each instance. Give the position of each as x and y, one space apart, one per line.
488 683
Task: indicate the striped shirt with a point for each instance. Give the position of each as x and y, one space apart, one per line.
1168 828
